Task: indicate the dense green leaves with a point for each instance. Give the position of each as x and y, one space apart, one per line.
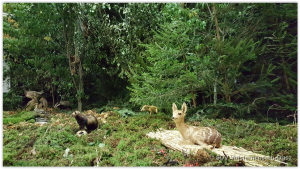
184 62
231 58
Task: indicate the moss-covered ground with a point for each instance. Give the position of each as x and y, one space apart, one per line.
122 141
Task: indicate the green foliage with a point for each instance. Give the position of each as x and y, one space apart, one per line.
185 64
31 121
126 113
11 101
168 77
132 54
160 53
33 57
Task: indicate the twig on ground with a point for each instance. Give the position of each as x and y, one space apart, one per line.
47 130
71 163
295 119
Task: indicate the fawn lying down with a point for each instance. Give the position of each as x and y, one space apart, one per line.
203 136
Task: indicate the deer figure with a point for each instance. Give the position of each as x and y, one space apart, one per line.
30 105
150 109
32 94
203 136
44 103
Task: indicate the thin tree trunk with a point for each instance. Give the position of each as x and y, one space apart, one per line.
79 85
52 89
81 89
223 71
215 93
194 100
79 105
218 37
70 67
216 22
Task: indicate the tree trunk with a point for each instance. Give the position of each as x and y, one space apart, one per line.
226 88
52 90
80 91
223 70
215 93
216 21
218 37
79 105
194 100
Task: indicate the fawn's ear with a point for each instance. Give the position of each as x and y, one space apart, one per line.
174 107
184 108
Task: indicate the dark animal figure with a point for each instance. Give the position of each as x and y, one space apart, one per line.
63 105
88 121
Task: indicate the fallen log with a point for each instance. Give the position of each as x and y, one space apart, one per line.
173 140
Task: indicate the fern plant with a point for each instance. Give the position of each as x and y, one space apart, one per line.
126 113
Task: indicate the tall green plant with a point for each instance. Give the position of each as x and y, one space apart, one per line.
171 75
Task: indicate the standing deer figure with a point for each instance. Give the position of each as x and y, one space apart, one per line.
203 136
150 109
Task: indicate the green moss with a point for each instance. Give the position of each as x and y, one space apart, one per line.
122 145
19 117
126 143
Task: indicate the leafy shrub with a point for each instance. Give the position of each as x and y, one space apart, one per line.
125 113
11 101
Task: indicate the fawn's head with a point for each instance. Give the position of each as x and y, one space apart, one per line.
178 115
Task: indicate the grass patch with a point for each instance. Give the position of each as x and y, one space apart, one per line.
18 117
123 142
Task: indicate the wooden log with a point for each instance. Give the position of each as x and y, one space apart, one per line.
173 140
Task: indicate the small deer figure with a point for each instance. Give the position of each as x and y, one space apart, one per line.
31 104
150 109
203 136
